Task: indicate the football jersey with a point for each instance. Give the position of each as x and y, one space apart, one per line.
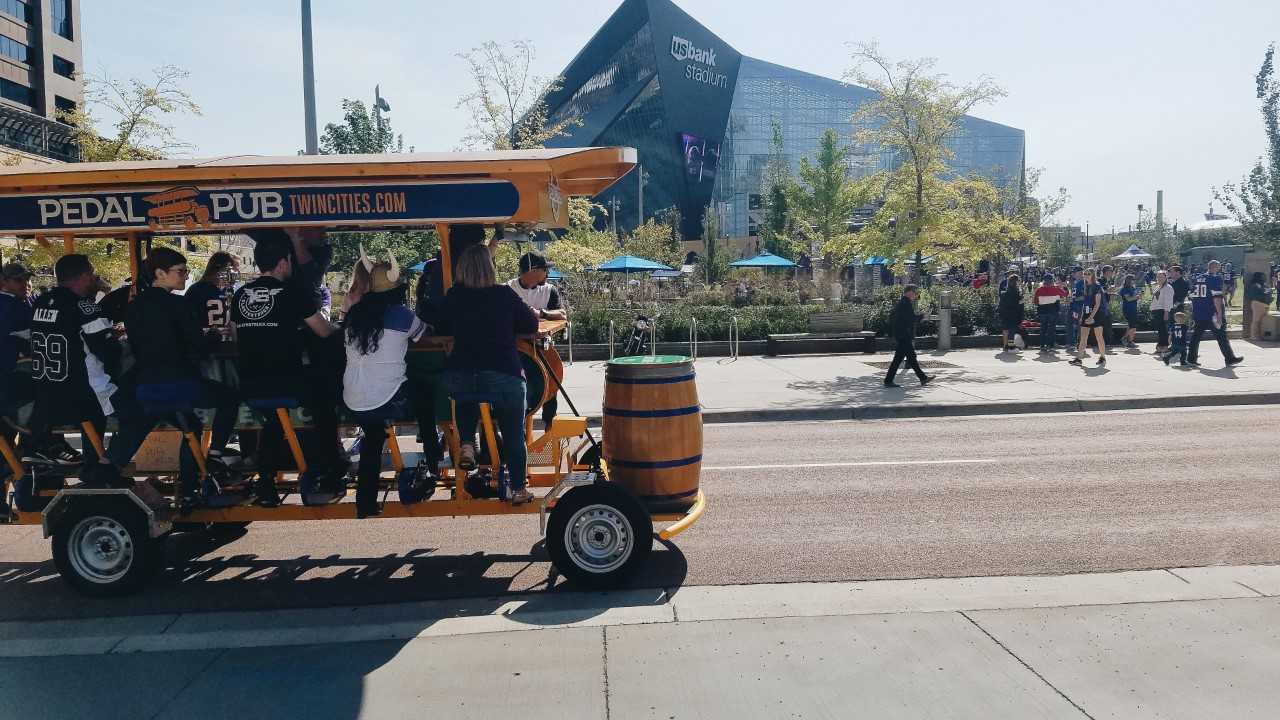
208 303
1179 333
1204 288
268 315
1077 296
72 347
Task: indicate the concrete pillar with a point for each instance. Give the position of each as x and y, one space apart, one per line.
944 329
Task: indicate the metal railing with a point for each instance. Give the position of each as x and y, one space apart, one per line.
693 338
653 336
735 338
568 329
611 329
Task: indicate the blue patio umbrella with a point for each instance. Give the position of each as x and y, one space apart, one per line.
419 267
554 274
764 260
630 264
873 260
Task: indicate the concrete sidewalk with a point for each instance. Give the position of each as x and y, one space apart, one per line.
969 382
1181 643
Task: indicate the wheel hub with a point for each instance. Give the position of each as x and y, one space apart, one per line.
101 550
599 538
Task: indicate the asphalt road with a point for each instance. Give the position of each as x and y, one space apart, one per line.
788 502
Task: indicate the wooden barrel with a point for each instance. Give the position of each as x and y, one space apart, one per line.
653 429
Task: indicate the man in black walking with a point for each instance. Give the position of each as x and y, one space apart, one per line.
904 335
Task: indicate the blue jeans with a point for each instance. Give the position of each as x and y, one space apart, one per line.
506 397
1073 331
1048 329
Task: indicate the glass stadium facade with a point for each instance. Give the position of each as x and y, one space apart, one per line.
702 117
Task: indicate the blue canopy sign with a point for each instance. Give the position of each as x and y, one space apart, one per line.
191 208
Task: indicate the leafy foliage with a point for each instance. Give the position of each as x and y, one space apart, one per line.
1255 201
362 131
509 105
657 242
136 110
826 197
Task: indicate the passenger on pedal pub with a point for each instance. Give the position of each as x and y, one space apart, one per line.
75 365
269 315
209 301
485 320
378 329
168 348
544 298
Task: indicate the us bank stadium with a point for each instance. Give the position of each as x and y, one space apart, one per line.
702 116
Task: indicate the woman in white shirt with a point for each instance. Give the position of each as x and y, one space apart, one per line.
378 330
1161 306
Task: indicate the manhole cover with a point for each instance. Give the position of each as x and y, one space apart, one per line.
928 364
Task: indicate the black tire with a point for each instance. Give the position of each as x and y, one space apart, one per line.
599 535
126 555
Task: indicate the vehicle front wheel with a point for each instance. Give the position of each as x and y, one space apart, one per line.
104 549
598 535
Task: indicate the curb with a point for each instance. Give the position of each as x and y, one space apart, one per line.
995 407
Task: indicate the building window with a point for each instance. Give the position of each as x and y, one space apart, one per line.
64 67
63 105
62 18
15 50
753 202
753 230
18 9
10 90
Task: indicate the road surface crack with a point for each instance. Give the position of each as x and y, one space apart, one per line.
604 641
1024 664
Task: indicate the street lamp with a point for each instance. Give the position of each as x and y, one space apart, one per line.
308 82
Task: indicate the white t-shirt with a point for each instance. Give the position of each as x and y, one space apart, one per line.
372 380
538 298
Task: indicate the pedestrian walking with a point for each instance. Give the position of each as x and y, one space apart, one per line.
1161 307
1048 304
1012 313
1209 313
1178 329
1129 306
1091 320
1255 295
904 335
1229 282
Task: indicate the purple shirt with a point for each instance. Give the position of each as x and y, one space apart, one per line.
484 324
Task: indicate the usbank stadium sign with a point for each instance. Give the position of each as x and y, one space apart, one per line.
685 51
192 208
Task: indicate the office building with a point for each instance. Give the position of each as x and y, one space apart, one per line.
40 65
702 115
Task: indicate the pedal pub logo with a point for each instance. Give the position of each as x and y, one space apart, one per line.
188 208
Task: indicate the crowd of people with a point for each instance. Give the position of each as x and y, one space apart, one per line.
1080 301
169 350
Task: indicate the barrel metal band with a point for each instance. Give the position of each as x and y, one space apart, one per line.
674 412
650 381
654 465
677 496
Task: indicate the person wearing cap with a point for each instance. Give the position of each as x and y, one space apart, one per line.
378 329
544 298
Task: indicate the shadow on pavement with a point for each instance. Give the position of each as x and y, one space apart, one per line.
842 391
197 579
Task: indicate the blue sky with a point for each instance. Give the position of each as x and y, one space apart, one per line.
1118 99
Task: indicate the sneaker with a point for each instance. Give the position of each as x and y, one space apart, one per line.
229 457
520 497
927 379
1019 342
265 494
1235 361
1102 361
53 455
1192 363
1077 361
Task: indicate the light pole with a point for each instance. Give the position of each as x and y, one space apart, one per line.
309 82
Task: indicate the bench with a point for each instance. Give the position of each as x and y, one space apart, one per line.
829 332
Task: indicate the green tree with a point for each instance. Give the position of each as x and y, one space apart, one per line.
715 262
126 119
777 230
1057 249
825 197
655 241
1255 202
361 132
366 132
916 113
508 104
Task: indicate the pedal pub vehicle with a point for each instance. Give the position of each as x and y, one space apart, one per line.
597 502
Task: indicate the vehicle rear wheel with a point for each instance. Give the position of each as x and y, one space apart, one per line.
103 548
598 535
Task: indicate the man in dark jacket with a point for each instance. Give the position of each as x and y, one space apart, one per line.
904 334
